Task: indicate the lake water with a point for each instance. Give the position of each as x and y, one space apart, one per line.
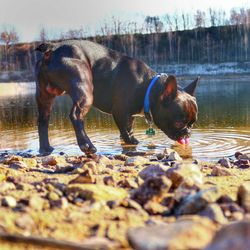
222 129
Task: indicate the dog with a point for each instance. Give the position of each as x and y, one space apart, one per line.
92 74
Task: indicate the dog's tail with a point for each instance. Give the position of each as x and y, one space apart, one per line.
45 47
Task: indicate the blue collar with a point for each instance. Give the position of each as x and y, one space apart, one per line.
147 98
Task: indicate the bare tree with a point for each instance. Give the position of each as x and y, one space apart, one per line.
153 24
43 35
199 18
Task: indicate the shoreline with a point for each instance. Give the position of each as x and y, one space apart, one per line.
124 201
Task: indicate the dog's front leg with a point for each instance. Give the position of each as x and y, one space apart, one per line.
44 104
125 125
81 104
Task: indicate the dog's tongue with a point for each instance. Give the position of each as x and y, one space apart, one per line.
184 140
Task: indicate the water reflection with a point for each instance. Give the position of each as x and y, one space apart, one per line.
223 104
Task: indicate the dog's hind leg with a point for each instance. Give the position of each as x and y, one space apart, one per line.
44 103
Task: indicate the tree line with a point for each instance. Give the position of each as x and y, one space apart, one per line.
204 37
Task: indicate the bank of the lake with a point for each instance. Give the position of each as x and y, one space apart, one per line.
124 201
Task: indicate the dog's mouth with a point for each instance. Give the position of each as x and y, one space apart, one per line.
181 139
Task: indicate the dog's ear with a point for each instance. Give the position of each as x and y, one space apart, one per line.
169 88
190 89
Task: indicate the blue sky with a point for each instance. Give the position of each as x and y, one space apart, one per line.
28 16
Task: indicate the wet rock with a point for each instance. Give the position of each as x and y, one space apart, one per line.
86 177
225 162
184 234
136 160
121 157
96 192
214 212
9 201
185 172
193 204
231 237
243 196
174 156
220 171
36 202
19 165
109 180
153 171
135 153
25 222
152 189
6 186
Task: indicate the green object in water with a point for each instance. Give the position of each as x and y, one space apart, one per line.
150 131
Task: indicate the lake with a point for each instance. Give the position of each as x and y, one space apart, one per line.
222 129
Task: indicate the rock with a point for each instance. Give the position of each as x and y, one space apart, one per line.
184 234
193 204
121 157
2 177
60 203
243 196
25 222
185 172
220 171
174 156
152 189
153 171
109 181
12 158
19 165
225 162
86 177
99 243
36 202
96 192
214 212
154 208
49 160
6 186
127 183
135 161
53 196
30 162
103 160
9 201
92 166
231 237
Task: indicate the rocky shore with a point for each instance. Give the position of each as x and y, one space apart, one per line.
132 201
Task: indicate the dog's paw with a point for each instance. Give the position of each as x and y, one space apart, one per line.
131 141
46 151
88 148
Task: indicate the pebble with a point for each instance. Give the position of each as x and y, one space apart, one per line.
183 234
174 156
9 201
231 237
185 173
36 202
225 162
136 160
243 196
6 186
85 177
220 171
153 171
25 222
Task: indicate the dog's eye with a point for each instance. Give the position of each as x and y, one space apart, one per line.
179 124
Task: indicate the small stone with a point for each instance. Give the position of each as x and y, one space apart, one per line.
214 212
220 171
153 171
19 165
193 204
128 183
237 216
49 160
154 208
36 202
183 234
53 196
135 161
225 162
9 201
185 172
121 157
96 192
174 156
6 186
60 203
103 160
25 222
231 237
109 181
152 189
85 177
243 196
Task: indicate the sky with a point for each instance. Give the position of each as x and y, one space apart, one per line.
29 16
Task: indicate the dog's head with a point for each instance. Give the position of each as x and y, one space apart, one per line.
175 109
